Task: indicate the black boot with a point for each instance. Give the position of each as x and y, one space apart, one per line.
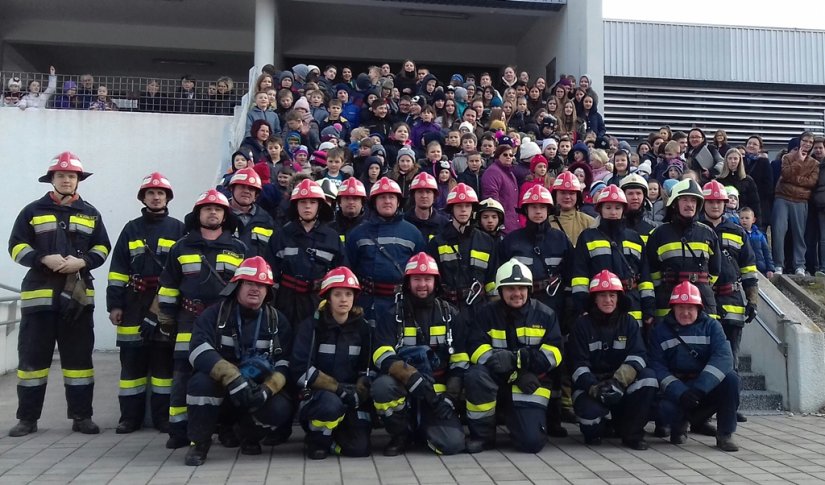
661 431
703 428
250 447
196 455
85 426
278 436
554 426
477 446
678 434
398 444
126 427
22 428
227 437
635 444
726 443
315 452
741 418
175 442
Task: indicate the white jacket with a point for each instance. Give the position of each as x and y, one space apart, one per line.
39 100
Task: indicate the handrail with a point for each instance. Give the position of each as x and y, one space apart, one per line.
771 303
9 288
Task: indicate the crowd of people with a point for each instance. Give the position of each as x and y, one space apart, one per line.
217 97
388 248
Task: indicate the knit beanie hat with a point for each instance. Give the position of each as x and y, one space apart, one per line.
460 94
677 164
301 103
537 160
405 151
548 142
528 150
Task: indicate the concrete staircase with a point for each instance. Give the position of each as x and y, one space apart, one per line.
755 398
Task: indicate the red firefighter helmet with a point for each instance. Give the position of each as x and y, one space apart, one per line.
685 293
65 162
567 181
212 197
462 194
254 269
713 190
611 193
340 277
421 264
537 194
605 281
155 180
424 181
385 185
308 189
352 187
246 176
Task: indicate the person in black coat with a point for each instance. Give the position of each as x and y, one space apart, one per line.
759 168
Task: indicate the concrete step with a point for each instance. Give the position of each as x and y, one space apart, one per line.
752 381
744 363
760 401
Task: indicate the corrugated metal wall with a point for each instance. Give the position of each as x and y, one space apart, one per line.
713 53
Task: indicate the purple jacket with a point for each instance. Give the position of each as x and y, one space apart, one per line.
499 182
420 129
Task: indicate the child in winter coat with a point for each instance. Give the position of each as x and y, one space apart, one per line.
732 207
759 242
472 174
261 111
446 180
239 160
655 196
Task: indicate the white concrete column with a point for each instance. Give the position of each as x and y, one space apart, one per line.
266 25
584 43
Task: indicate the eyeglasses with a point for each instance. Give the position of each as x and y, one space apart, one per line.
508 155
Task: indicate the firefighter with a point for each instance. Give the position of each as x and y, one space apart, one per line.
304 251
422 214
240 355
612 246
352 198
138 258
491 219
466 256
567 193
331 365
198 267
637 215
683 249
60 238
421 358
379 248
255 225
738 271
694 365
514 344
614 388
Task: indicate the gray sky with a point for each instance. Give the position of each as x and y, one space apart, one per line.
800 14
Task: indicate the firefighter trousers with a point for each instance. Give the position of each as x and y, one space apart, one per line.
143 368
178 415
331 425
35 348
525 414
209 405
722 400
403 415
628 417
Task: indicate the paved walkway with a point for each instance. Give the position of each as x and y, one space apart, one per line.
774 449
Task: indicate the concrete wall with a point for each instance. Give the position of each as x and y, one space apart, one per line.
120 149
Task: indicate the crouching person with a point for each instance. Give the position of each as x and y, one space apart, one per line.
239 352
331 364
694 365
419 352
613 388
514 345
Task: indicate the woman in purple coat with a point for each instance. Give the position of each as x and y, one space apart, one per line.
499 183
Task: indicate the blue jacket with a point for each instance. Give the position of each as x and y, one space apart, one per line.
271 117
759 242
399 239
676 369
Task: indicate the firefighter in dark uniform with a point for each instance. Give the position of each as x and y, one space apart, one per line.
60 238
138 258
198 267
422 214
379 248
331 365
567 193
240 354
694 365
352 198
683 249
255 225
613 385
421 358
303 251
738 271
490 217
466 256
637 216
514 344
612 246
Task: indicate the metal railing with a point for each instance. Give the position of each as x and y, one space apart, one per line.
133 93
13 306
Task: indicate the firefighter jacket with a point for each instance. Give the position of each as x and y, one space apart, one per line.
299 258
467 263
640 222
621 251
600 343
343 224
572 223
702 356
223 331
678 251
416 323
738 271
341 351
379 248
533 326
42 228
428 227
255 230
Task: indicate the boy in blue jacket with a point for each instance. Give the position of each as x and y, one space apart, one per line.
764 260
